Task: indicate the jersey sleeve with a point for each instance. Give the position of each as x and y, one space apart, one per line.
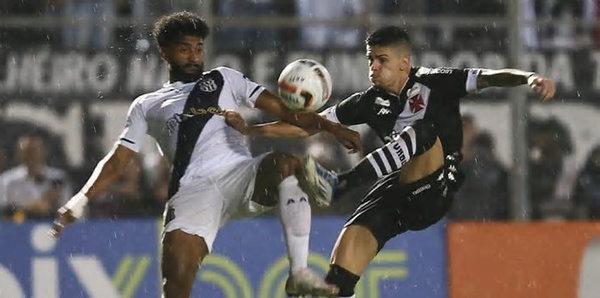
245 91
455 82
136 127
349 111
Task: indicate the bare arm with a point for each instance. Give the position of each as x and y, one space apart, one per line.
278 129
108 170
308 121
515 77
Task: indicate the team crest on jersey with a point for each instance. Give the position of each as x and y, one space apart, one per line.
416 103
208 85
416 89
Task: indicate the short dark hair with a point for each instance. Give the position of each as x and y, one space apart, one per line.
171 27
387 36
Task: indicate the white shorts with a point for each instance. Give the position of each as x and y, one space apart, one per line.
205 204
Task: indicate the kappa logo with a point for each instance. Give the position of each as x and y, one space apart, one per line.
384 111
382 102
208 85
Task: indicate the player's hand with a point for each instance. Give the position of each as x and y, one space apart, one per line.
542 86
63 218
235 120
68 213
348 137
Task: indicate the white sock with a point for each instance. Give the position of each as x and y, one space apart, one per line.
294 212
353 296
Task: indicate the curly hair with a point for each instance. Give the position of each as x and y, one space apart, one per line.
170 27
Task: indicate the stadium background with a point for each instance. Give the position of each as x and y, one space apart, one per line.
524 225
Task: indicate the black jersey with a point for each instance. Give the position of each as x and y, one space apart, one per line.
431 94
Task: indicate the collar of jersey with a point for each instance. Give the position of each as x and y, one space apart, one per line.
402 90
179 85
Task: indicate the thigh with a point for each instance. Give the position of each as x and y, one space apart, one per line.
179 247
354 249
273 168
427 201
378 211
196 209
391 207
238 186
182 254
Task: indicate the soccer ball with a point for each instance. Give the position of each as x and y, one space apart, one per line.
304 85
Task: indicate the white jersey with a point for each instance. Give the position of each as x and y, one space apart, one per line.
160 114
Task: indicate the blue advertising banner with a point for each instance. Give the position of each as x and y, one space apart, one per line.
121 259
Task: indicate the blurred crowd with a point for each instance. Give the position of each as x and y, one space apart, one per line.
98 25
34 180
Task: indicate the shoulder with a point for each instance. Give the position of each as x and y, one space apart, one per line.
13 174
367 95
421 71
55 173
147 100
228 72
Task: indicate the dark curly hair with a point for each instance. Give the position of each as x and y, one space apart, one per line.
170 27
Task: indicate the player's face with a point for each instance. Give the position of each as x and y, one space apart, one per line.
185 57
388 67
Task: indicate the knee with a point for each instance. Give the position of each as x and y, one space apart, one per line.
343 279
181 259
285 164
178 269
425 135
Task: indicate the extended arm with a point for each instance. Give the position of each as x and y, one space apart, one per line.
515 77
308 121
278 129
108 170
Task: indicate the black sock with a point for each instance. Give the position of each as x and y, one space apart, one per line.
345 280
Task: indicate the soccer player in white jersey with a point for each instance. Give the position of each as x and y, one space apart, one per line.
214 176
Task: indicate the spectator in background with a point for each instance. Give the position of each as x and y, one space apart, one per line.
244 36
566 34
157 171
324 36
33 187
125 198
91 23
562 32
3 159
587 187
552 169
484 194
469 133
12 36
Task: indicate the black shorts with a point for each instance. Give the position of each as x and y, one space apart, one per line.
391 208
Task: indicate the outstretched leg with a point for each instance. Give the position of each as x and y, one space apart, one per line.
360 241
415 140
276 183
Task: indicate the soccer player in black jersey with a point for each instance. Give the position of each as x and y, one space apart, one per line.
415 111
